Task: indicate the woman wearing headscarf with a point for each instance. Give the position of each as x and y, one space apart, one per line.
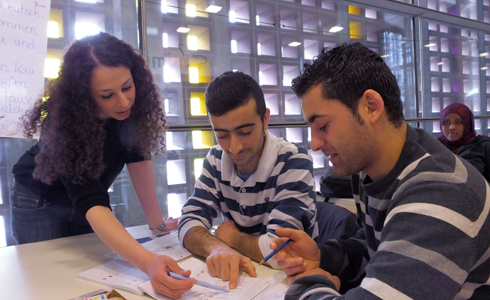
458 135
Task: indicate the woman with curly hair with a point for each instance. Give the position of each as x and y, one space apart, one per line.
101 113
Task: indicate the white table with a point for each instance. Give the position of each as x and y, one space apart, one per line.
46 270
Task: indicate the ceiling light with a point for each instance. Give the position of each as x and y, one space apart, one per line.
213 9
192 42
336 29
190 10
53 29
183 29
232 16
294 44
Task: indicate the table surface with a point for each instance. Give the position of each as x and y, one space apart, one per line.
46 270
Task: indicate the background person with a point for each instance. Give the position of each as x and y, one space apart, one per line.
458 135
102 112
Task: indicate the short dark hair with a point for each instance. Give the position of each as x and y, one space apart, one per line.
231 90
346 72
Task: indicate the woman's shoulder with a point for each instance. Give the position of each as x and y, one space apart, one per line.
479 143
481 139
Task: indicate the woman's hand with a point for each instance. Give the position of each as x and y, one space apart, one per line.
164 284
114 235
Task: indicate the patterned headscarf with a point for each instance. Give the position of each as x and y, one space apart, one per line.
469 132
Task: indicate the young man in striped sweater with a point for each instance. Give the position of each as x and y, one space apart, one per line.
424 211
257 181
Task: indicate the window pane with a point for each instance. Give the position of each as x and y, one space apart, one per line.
470 9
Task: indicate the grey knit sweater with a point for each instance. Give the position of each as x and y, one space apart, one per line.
425 232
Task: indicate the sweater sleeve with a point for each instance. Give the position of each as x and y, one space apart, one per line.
346 259
313 287
420 245
294 201
203 206
87 195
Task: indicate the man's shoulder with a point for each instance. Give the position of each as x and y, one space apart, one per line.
214 155
426 160
215 151
421 145
284 146
442 177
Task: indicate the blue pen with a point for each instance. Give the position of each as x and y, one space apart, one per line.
275 251
199 282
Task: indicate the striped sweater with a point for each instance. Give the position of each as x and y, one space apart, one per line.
425 232
280 193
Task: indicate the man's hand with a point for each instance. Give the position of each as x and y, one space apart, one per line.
316 271
164 284
225 263
298 256
227 232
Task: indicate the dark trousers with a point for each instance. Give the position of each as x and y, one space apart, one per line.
37 219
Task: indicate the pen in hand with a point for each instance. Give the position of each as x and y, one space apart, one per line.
275 251
199 282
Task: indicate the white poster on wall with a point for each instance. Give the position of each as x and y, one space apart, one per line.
23 46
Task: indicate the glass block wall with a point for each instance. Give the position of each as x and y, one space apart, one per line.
189 43
437 49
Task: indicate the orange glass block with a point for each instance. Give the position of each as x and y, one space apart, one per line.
355 30
354 10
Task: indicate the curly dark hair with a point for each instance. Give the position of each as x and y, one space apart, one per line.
346 72
71 133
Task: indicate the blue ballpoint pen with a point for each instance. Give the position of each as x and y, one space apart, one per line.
199 282
275 251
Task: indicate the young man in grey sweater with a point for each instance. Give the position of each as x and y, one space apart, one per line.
424 211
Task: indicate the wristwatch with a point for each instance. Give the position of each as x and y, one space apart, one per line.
159 229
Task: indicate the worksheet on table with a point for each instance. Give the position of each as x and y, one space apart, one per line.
166 244
276 290
248 287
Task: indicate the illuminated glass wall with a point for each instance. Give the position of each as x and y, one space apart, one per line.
437 49
191 42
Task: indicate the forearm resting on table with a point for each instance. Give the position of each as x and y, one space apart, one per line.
200 241
116 237
247 245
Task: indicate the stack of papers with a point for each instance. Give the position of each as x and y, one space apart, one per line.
120 274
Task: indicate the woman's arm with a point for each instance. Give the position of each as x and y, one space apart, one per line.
114 235
141 174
